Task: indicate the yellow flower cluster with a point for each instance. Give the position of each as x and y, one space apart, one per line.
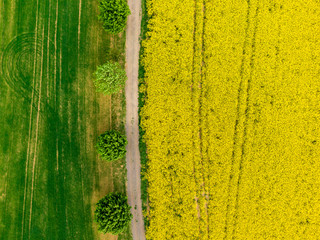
232 119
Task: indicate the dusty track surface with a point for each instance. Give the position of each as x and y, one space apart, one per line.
132 119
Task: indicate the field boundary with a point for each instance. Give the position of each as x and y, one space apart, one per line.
132 120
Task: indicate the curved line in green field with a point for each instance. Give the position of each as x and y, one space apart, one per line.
18 62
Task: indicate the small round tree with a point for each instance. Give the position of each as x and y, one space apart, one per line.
110 78
113 213
112 145
113 15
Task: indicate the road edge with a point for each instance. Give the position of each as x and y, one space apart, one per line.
132 119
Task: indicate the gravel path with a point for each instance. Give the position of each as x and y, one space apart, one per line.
132 119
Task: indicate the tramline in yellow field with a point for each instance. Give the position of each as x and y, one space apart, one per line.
232 119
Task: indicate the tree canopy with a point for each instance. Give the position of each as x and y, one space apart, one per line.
111 145
113 213
113 15
110 78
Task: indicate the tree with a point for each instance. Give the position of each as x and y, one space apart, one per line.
113 213
110 78
113 15
112 145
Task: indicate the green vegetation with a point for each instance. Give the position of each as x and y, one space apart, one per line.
110 78
111 145
116 52
50 174
113 213
113 15
142 144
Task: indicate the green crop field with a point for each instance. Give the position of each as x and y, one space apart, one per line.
50 117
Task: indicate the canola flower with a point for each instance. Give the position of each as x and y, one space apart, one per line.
232 119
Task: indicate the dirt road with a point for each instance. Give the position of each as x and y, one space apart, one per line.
132 119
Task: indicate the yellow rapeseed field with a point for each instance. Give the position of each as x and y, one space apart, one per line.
232 119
